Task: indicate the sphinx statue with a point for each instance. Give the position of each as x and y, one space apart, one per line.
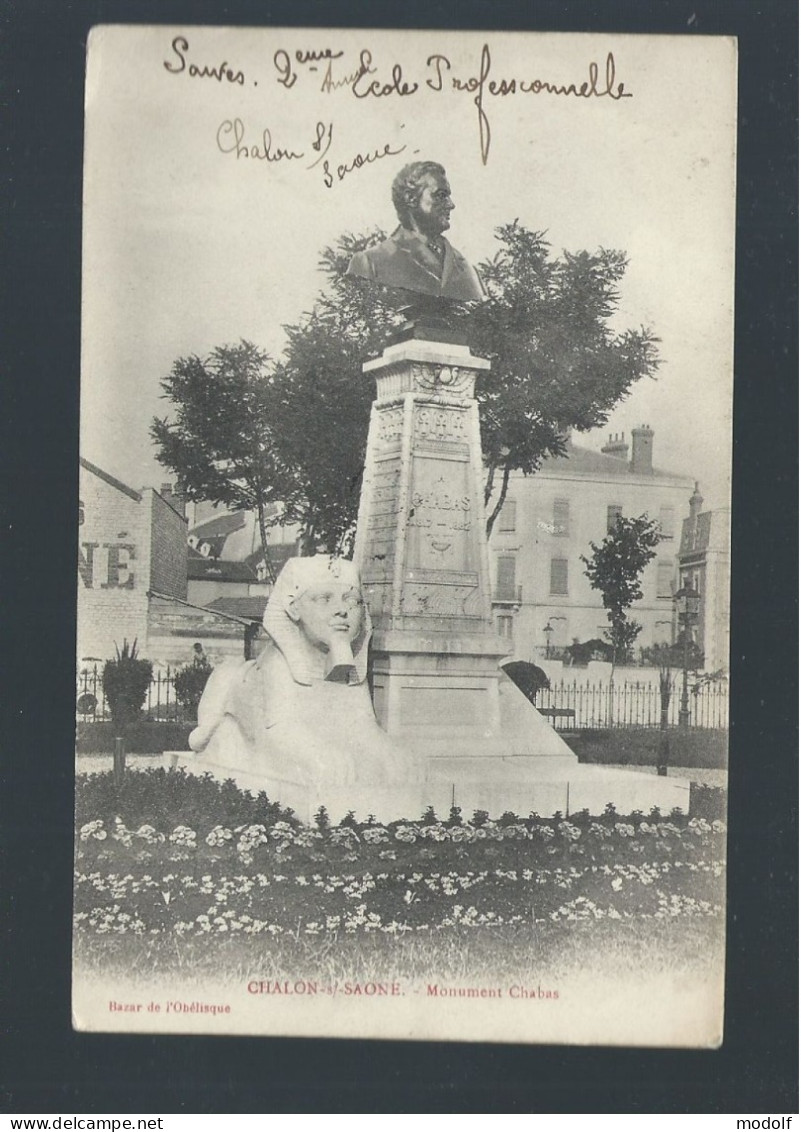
298 722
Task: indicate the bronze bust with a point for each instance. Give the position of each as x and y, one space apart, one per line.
417 257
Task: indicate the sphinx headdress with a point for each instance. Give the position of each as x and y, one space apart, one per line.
305 662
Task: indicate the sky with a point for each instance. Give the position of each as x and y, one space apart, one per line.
190 244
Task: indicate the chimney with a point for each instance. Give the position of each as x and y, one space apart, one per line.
617 446
696 503
175 500
642 450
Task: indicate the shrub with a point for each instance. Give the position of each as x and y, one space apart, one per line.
170 798
190 682
707 802
125 683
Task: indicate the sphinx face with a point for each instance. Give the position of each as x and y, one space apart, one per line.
329 614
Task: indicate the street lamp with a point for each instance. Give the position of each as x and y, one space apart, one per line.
687 602
548 630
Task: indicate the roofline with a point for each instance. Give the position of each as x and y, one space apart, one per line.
203 608
664 479
120 486
174 510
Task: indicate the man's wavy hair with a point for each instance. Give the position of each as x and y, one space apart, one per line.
407 187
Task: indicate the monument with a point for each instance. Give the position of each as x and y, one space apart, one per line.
446 726
421 550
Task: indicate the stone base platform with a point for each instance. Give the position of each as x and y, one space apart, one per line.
520 784
524 785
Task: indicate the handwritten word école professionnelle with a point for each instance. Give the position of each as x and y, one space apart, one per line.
481 84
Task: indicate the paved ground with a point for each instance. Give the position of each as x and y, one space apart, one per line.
92 764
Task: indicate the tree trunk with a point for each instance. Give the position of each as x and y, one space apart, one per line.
263 533
490 481
501 499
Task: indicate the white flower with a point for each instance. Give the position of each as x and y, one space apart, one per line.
217 838
93 829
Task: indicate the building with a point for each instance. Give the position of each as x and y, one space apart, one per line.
542 599
139 580
130 545
704 565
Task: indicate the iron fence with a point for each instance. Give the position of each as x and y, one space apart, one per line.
161 703
568 705
582 706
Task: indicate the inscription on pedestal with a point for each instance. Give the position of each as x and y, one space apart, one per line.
445 425
437 599
440 517
382 522
389 426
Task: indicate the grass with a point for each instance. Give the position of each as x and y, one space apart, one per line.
480 955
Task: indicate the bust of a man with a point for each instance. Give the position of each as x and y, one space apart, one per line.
417 257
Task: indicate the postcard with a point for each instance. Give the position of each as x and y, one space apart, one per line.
403 580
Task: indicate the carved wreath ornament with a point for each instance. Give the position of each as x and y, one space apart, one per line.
451 381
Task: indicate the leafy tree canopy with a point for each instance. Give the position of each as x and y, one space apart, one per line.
615 570
221 443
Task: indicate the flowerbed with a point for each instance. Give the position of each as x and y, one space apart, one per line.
271 876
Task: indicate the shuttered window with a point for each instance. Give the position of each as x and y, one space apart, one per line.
505 579
664 579
558 575
506 626
667 522
507 520
561 518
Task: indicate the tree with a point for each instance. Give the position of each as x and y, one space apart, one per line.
556 364
615 569
221 445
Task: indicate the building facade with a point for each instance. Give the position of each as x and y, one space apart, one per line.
704 556
130 545
542 599
138 579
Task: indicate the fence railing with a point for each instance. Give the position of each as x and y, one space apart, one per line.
568 705
161 702
580 706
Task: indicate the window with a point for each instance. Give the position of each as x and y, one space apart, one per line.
558 575
505 580
664 579
613 512
667 522
507 519
506 626
561 517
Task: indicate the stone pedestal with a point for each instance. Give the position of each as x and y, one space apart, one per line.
421 549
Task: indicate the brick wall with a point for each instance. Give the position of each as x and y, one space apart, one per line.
167 547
